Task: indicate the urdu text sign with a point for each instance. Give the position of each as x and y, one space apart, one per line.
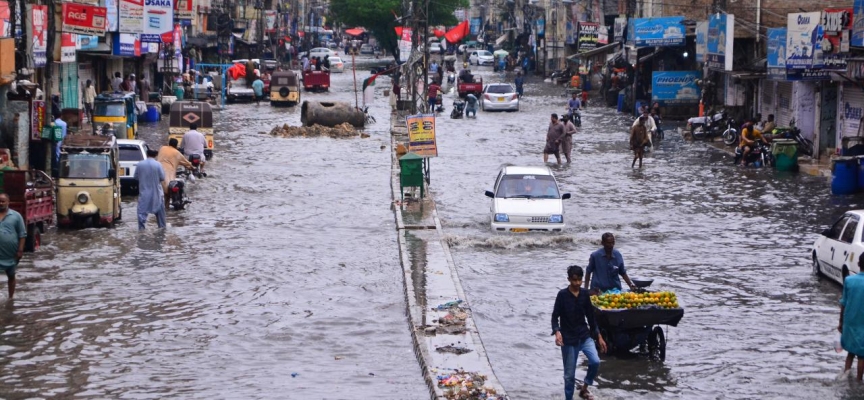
421 135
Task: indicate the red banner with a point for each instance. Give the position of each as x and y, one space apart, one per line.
37 120
84 19
184 9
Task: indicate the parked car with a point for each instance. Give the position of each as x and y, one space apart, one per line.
131 152
435 48
367 49
836 251
481 57
499 97
320 52
239 90
336 64
526 199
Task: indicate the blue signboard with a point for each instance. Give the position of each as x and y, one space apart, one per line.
776 62
541 27
675 87
124 44
650 32
720 41
475 26
804 36
857 38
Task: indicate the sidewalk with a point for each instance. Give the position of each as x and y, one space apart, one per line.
446 341
807 165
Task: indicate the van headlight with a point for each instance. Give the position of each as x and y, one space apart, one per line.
556 219
502 218
82 198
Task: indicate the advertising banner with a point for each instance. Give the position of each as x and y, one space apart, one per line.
804 40
84 19
184 9
112 8
588 36
38 119
603 35
87 42
570 37
540 27
126 45
618 30
475 26
721 32
675 87
664 32
701 40
40 36
67 47
6 22
857 24
405 44
776 62
421 135
270 18
158 21
836 25
131 16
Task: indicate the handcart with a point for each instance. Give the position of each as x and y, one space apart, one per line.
628 329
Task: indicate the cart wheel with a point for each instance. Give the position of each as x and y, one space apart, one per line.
657 344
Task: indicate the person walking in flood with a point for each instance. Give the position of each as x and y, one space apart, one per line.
170 158
638 140
567 140
575 330
258 88
553 139
12 237
851 325
151 197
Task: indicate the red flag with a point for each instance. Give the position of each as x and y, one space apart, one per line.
458 33
437 32
398 31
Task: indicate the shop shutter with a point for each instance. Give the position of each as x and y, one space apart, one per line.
850 112
767 105
784 104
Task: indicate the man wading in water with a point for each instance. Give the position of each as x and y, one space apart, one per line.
638 140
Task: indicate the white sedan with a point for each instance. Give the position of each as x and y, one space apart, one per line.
336 64
527 199
499 97
836 251
131 152
481 57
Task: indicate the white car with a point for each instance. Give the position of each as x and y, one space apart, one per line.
336 64
435 48
320 52
481 57
367 49
131 152
499 97
527 199
836 251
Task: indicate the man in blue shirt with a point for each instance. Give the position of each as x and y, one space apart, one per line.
12 236
606 265
55 162
520 82
151 197
852 320
569 315
258 87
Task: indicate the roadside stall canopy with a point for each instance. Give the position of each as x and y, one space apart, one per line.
356 31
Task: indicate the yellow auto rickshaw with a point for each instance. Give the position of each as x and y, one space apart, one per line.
284 88
184 113
88 188
117 111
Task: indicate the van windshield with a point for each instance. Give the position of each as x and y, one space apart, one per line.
84 165
110 110
131 153
528 187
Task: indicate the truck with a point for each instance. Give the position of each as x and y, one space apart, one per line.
316 80
31 194
474 85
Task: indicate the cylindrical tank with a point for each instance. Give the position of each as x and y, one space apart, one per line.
844 176
331 114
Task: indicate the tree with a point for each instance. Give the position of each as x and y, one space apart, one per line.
379 17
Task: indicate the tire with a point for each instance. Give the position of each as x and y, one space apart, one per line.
699 133
806 147
730 137
34 239
816 269
657 344
284 92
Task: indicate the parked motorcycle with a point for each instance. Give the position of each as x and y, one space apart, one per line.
693 123
712 127
560 76
176 190
805 146
760 156
730 135
575 116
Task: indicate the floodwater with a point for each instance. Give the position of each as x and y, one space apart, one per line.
281 279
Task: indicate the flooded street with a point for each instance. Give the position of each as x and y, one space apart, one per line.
282 278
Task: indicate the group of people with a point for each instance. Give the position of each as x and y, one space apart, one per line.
159 169
559 138
131 84
315 63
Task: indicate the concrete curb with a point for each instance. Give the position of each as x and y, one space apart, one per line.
441 283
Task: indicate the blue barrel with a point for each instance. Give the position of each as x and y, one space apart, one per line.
844 175
152 113
621 101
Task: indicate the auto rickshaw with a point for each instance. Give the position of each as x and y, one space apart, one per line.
184 113
284 88
88 188
118 111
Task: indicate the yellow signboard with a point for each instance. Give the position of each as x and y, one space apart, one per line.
421 135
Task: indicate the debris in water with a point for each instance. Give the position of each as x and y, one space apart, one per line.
344 130
448 305
453 349
461 385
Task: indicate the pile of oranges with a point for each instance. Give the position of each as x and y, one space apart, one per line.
635 300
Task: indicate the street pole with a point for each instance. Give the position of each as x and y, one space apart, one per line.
425 53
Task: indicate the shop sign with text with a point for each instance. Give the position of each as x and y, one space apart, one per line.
421 135
588 36
84 19
158 21
675 87
40 36
663 32
719 46
804 40
131 16
836 26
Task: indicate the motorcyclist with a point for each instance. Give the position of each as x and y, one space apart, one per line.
194 142
573 107
749 136
465 74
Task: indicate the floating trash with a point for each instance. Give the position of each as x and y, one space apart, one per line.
462 385
453 349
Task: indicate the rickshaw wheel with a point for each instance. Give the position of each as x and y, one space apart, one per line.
657 344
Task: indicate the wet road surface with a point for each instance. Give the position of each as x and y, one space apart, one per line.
286 264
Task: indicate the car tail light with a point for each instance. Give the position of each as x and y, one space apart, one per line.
175 189
515 96
486 96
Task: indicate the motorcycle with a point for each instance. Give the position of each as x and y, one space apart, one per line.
805 146
458 109
711 128
693 123
760 155
560 76
575 116
451 78
730 135
195 159
176 190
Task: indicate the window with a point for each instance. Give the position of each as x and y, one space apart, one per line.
84 165
849 232
130 153
837 228
110 110
528 186
500 89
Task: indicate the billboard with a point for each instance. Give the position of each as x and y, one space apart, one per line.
126 45
112 8
664 32
39 21
857 38
618 30
701 40
184 9
67 47
588 36
270 18
804 40
6 22
421 135
721 35
776 62
84 19
158 21
836 25
475 26
675 87
131 16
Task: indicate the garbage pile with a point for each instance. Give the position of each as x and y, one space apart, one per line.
454 322
461 385
344 130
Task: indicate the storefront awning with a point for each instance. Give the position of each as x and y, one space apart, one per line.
599 50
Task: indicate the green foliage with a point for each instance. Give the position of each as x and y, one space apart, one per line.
379 16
